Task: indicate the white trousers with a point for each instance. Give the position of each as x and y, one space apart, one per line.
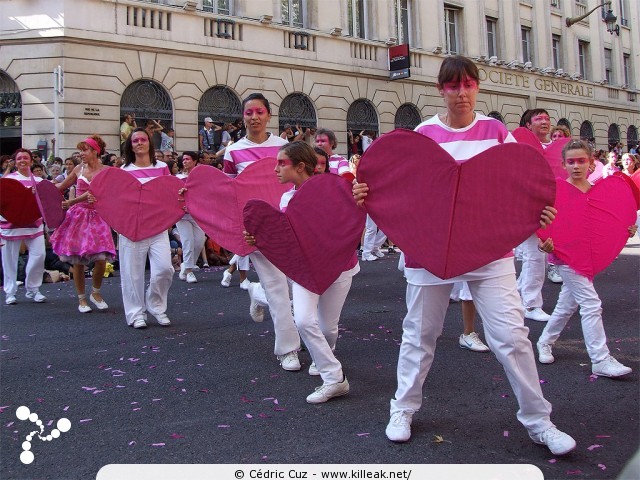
317 318
241 263
532 274
133 258
276 290
35 264
499 305
373 238
192 238
578 290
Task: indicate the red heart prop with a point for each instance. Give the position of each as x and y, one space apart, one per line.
454 217
50 200
17 203
634 188
553 153
137 210
216 200
315 239
590 229
597 172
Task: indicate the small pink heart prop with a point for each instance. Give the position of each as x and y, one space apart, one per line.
17 203
454 217
315 239
216 200
597 172
553 153
50 200
590 229
134 209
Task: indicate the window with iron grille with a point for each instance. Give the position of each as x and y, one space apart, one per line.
222 7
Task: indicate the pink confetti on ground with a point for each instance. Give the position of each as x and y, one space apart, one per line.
593 447
66 408
505 433
180 379
10 424
176 436
574 472
603 436
224 426
364 434
602 466
86 420
593 378
248 415
505 395
553 460
158 444
543 381
143 380
132 442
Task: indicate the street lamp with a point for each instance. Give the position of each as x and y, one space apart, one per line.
610 19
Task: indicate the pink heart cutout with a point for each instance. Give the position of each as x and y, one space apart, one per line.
315 239
137 210
216 200
597 172
454 217
17 203
553 153
590 229
50 200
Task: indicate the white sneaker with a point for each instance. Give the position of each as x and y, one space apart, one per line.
139 323
326 392
182 275
289 361
10 300
101 305
472 342
226 279
558 442
162 319
610 367
536 314
313 370
399 427
378 253
245 284
191 278
544 353
553 274
256 311
35 296
369 257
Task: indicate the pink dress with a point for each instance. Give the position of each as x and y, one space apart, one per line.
84 236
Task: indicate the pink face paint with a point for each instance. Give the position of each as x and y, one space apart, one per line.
579 160
284 162
467 84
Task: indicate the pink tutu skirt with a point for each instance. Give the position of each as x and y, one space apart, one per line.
83 237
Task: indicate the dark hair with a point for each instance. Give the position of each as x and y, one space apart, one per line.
456 68
170 164
37 165
129 156
97 139
330 135
577 145
301 152
529 114
257 96
320 151
22 150
194 156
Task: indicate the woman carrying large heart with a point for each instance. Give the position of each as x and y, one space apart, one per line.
141 164
259 144
464 134
84 237
31 233
589 229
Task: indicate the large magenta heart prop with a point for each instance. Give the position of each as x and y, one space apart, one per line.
634 188
216 200
134 209
315 239
50 200
590 229
452 217
553 153
17 203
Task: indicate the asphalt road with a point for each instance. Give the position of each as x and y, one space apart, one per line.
208 389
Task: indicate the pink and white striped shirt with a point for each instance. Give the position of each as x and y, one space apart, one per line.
145 174
12 232
462 144
338 164
244 152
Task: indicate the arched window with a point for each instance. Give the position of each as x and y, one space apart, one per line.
586 131
297 109
407 116
632 137
221 104
613 135
147 100
362 115
563 122
496 115
10 114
